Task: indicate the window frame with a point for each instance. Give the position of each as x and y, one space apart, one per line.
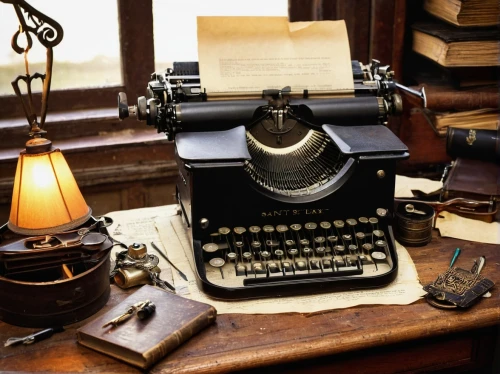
135 19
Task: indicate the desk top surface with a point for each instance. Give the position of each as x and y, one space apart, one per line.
239 341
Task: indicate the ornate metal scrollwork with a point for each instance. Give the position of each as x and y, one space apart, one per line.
49 34
48 31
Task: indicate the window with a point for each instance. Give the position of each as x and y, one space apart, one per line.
86 57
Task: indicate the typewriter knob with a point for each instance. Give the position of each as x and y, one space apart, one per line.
397 104
142 106
122 105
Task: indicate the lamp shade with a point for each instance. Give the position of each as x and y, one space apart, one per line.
45 198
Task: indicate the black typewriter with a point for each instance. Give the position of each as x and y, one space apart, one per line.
283 192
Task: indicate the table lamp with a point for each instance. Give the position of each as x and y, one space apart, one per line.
46 198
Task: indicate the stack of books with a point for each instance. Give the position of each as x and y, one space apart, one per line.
461 38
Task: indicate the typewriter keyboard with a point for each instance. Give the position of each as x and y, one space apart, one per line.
240 256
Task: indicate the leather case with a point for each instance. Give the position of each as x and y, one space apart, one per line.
474 144
476 180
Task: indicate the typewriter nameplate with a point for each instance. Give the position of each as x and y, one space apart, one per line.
293 212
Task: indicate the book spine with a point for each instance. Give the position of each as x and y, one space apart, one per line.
446 100
189 329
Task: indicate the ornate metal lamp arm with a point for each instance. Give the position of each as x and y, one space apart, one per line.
49 34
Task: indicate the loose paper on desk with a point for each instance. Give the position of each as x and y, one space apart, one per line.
404 290
406 185
454 226
251 54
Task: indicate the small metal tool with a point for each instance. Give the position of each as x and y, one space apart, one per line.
126 316
170 262
33 338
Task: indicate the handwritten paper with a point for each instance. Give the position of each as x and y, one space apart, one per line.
251 54
404 290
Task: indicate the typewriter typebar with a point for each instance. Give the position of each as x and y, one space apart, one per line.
282 192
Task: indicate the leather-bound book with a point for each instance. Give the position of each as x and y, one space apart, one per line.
143 342
465 12
451 46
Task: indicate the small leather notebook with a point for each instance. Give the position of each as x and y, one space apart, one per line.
142 343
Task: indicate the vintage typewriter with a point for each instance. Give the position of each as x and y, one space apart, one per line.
287 192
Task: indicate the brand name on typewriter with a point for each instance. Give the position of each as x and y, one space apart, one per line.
293 212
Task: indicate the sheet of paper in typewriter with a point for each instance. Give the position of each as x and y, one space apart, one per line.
250 54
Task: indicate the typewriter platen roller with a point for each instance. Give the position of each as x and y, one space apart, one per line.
283 192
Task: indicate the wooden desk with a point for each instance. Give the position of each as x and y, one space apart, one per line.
365 339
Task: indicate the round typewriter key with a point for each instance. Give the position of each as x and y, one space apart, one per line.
265 255
319 239
254 229
340 249
293 252
378 234
347 237
231 256
210 247
301 265
279 253
380 256
241 270
255 244
239 244
239 230
351 222
217 262
272 243
325 225
304 242
282 228
307 251
380 245
311 226
314 264
247 256
367 248
295 227
257 267
320 251
273 267
268 228
353 248
381 212
332 238
290 243
338 224
224 230
360 236
373 221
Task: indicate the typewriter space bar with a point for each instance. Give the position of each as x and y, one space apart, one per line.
286 278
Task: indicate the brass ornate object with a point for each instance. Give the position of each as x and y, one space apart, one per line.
49 34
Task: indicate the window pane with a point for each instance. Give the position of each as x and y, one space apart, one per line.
88 55
175 23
